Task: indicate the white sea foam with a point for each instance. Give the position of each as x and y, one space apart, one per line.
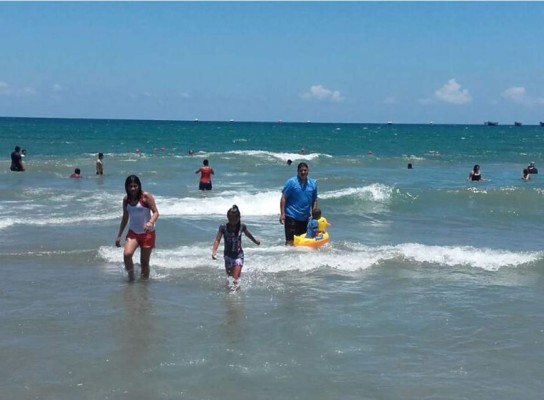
7 222
258 204
278 156
487 259
375 192
347 257
107 206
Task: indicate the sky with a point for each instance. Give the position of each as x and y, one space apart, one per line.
352 62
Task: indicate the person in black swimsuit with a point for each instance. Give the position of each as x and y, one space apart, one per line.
475 174
532 169
17 160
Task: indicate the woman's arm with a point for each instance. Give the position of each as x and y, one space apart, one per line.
150 201
124 221
216 244
250 236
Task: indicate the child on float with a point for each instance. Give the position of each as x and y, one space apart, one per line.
317 225
233 253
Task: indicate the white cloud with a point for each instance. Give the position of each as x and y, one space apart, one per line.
518 94
27 91
320 93
390 100
6 90
426 101
57 88
452 93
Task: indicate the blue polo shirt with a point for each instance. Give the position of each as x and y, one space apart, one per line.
299 198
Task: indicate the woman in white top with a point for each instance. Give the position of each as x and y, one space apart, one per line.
141 213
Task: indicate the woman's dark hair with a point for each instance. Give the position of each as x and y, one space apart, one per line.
476 167
235 212
133 179
205 162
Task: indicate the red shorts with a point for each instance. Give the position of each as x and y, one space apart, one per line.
145 240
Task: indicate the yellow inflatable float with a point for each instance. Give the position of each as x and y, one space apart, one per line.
319 240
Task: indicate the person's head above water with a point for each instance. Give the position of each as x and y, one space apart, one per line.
233 215
131 180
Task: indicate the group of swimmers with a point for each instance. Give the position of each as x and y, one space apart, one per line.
140 213
298 202
17 163
476 175
99 164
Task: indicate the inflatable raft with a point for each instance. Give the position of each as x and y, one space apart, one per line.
319 240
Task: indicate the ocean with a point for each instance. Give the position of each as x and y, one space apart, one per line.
431 286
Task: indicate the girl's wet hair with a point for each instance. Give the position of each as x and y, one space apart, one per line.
133 179
234 211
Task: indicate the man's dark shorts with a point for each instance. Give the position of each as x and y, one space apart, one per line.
205 186
294 227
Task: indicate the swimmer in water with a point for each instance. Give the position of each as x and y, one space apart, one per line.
475 174
206 173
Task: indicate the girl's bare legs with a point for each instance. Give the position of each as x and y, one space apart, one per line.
145 256
236 272
130 247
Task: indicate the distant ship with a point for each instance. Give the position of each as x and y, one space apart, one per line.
517 123
491 123
541 123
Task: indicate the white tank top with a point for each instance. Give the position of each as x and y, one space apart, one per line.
139 215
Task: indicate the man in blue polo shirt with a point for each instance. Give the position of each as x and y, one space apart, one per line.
298 199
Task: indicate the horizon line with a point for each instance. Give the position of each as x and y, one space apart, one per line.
196 120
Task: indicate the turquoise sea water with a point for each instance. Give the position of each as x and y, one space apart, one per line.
431 286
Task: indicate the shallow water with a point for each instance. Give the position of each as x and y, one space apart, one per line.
431 286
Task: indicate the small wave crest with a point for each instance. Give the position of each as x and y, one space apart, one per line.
374 192
269 155
347 257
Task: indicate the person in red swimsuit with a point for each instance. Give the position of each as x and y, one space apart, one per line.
206 173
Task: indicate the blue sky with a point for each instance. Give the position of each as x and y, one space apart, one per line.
406 62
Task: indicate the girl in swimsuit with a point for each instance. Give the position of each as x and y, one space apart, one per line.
233 253
141 213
